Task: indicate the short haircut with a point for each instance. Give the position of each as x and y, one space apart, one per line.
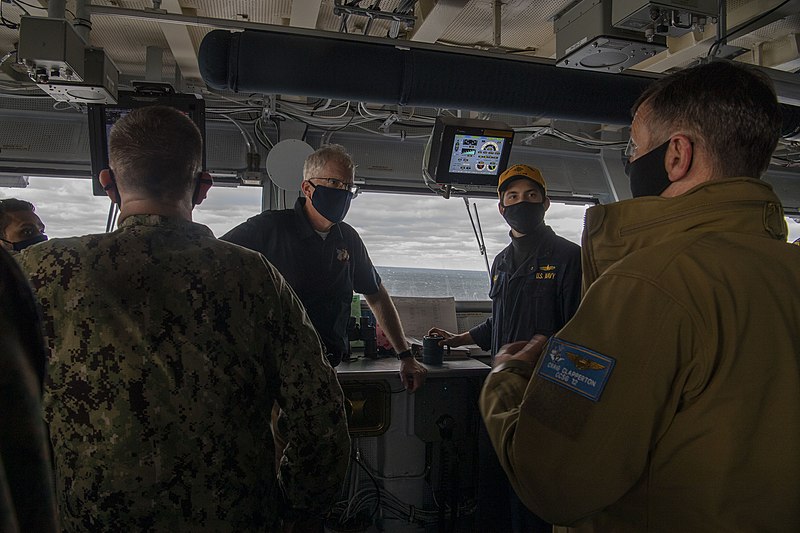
156 150
729 109
328 153
12 205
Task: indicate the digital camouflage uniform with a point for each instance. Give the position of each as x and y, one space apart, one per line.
169 349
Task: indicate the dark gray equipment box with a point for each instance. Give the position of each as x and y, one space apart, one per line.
586 39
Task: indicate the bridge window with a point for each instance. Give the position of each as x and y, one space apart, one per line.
425 245
67 207
421 245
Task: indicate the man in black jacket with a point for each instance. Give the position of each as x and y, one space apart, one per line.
536 280
536 288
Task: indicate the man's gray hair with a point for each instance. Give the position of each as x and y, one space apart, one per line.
328 153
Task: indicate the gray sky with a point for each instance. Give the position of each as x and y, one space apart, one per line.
398 229
431 232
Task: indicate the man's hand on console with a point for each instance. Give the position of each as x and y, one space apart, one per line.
451 339
412 374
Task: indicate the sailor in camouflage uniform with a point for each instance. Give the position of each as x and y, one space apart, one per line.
169 349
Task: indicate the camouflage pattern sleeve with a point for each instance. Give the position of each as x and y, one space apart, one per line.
169 350
313 419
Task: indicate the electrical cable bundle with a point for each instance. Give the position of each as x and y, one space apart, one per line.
330 116
584 142
362 505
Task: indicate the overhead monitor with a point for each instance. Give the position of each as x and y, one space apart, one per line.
469 151
103 117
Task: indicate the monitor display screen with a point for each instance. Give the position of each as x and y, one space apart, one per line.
103 117
112 115
476 154
468 151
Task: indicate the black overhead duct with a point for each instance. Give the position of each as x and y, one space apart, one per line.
393 73
277 63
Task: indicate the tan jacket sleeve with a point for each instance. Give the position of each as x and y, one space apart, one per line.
568 456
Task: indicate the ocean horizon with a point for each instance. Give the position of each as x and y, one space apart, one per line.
434 282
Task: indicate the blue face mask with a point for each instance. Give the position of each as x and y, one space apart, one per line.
21 245
647 173
331 203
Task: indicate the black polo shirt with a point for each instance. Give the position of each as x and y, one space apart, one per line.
323 272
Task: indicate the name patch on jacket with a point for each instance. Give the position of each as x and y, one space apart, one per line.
576 368
547 272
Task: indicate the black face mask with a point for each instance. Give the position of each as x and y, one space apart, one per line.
647 174
524 217
21 245
331 203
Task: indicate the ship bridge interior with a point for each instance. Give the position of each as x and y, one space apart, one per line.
373 76
278 78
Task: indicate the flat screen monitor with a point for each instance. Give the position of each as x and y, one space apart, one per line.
468 151
102 117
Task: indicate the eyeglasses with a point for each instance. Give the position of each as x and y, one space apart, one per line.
334 183
632 148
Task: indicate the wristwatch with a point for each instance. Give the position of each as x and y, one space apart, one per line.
405 354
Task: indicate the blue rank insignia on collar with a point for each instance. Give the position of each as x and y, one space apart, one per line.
576 368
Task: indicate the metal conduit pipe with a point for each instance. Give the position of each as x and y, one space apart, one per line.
83 19
56 9
154 63
381 73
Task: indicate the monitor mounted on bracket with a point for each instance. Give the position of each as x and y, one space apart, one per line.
103 116
469 151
